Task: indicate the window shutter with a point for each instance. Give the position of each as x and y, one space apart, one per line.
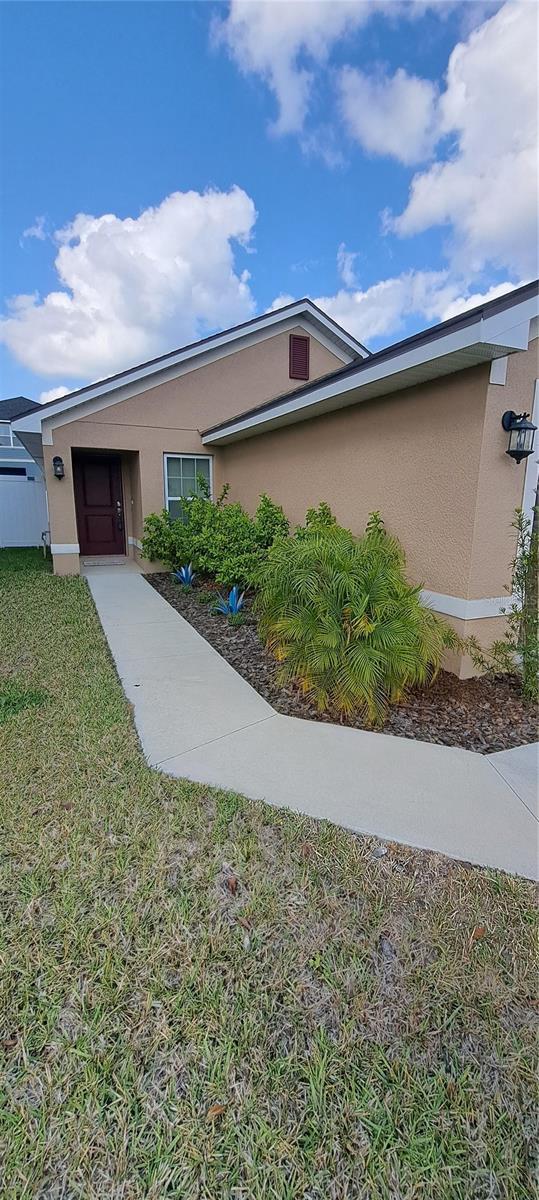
299 357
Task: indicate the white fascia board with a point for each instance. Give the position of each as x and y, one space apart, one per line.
30 423
110 392
511 323
478 340
336 335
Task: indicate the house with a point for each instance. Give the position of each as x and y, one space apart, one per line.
23 505
291 404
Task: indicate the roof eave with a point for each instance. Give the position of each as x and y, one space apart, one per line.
305 309
480 342
32 442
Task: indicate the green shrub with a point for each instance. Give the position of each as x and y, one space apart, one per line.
321 517
219 539
270 522
317 518
165 540
342 620
518 651
227 546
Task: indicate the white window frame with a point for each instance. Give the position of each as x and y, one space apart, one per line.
191 458
12 443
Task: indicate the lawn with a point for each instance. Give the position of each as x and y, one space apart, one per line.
206 998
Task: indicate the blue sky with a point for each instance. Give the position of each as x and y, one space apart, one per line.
320 116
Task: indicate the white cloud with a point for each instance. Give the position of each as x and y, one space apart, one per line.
54 393
322 142
285 43
132 288
274 38
281 300
37 230
473 300
483 184
393 114
383 310
485 190
345 265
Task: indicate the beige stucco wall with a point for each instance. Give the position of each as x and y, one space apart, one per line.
167 418
432 459
220 389
501 480
414 455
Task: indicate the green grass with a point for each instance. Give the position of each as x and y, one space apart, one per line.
14 697
24 559
166 949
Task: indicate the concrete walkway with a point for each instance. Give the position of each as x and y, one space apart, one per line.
198 719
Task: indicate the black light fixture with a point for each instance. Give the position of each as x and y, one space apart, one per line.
58 466
521 434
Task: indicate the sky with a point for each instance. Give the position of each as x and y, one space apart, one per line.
170 169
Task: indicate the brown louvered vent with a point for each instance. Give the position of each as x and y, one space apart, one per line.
299 356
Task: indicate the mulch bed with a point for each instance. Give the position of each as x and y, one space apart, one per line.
477 714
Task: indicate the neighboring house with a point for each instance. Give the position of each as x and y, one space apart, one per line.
291 404
23 505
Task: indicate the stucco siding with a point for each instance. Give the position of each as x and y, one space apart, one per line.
414 455
167 418
212 392
501 480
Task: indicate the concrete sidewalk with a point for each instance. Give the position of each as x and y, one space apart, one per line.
198 719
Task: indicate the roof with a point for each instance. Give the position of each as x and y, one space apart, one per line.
461 333
16 406
341 342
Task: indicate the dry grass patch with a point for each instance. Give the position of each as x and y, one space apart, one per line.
207 998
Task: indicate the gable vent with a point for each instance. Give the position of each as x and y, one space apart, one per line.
299 356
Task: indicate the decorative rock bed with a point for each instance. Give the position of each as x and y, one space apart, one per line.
482 714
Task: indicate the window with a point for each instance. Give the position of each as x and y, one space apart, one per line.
13 471
7 437
181 472
298 356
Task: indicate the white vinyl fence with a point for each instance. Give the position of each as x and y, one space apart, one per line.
23 511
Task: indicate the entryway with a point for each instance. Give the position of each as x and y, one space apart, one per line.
99 503
107 564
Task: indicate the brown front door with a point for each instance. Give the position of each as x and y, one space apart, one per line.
99 504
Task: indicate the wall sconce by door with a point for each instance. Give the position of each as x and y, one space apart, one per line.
58 467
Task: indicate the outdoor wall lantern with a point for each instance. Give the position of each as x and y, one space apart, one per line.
521 434
58 466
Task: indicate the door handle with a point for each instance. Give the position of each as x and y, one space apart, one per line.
119 515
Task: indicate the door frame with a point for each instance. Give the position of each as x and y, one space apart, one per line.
79 456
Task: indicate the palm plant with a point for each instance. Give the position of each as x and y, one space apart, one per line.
343 622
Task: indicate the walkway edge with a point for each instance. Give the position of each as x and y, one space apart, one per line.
197 718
